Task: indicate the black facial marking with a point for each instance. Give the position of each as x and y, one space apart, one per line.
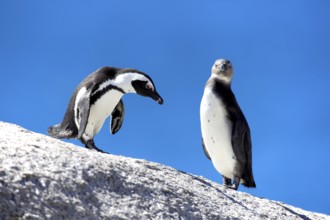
141 89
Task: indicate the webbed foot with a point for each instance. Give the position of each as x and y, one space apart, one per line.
227 182
91 145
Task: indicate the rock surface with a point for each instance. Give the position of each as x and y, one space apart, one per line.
45 178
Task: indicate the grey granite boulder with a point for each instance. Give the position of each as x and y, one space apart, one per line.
45 178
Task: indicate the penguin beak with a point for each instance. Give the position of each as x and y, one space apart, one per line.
226 65
155 96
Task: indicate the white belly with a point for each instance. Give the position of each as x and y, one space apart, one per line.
100 110
216 133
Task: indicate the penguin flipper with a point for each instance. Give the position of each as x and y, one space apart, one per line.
248 173
242 146
117 117
205 151
83 112
238 136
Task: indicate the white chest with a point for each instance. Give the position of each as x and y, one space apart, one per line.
100 110
216 132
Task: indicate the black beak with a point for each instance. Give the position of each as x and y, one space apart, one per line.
226 65
155 96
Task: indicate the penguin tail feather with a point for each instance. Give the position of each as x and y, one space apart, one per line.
248 179
250 183
57 131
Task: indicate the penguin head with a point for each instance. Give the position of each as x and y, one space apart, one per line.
143 85
134 81
223 70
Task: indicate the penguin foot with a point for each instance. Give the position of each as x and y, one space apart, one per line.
227 182
91 145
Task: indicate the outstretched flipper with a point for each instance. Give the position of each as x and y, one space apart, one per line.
82 111
117 117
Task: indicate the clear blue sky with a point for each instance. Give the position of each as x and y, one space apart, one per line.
281 56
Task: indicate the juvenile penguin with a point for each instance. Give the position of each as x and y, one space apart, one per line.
226 137
96 98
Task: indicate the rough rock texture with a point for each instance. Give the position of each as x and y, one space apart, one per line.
45 178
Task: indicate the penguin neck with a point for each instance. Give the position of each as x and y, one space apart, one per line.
222 79
124 81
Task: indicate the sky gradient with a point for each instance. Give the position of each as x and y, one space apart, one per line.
280 52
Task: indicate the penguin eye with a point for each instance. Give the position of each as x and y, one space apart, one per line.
148 86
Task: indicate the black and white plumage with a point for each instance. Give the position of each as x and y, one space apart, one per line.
226 135
97 97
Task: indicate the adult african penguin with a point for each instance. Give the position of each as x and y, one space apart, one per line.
226 135
96 98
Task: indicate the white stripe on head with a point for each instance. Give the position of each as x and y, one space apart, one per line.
124 81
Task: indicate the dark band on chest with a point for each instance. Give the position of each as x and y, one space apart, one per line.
100 93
